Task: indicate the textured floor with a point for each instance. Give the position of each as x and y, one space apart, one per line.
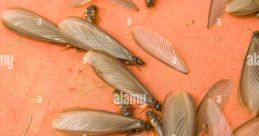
47 78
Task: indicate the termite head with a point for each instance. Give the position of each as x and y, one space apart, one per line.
150 3
158 106
127 113
256 34
148 126
150 113
137 60
91 10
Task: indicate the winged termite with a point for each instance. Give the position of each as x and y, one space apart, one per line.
31 25
179 115
249 128
91 14
217 9
219 93
243 7
78 3
150 3
123 104
85 35
126 3
159 47
249 83
155 121
117 75
93 122
217 124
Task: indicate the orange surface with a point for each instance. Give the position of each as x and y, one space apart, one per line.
57 75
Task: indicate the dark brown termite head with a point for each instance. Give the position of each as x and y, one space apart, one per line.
157 106
145 125
256 34
91 14
153 116
150 3
137 60
150 113
126 112
148 126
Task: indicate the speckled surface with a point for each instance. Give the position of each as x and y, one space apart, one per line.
47 71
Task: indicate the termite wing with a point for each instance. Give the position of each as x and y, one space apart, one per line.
126 3
179 116
217 9
93 122
87 36
249 128
79 3
117 75
243 7
249 83
217 124
219 93
29 24
159 47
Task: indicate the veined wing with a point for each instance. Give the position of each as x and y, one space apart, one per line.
249 128
126 3
95 122
219 93
249 83
242 7
179 115
117 75
159 47
217 124
217 9
85 35
78 3
29 24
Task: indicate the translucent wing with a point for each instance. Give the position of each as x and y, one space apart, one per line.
219 93
242 7
217 8
249 83
249 128
29 24
126 3
159 47
85 35
95 122
78 3
179 115
217 124
116 74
